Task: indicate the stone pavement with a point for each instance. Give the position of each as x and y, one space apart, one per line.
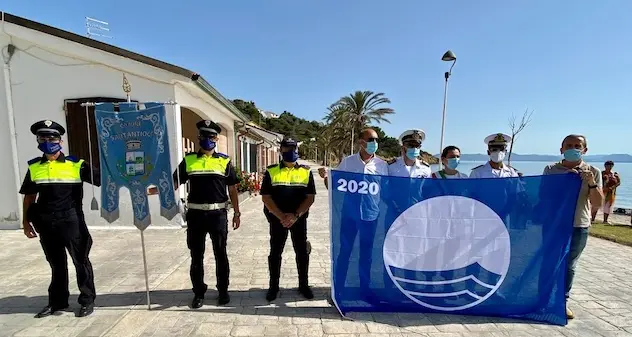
601 299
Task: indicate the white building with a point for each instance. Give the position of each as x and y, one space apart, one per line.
49 72
268 114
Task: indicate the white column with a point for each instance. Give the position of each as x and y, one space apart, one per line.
247 157
177 120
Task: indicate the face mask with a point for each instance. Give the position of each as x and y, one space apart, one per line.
573 155
290 156
453 163
49 147
412 153
371 147
497 157
207 144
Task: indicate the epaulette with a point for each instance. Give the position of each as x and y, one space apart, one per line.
72 159
221 155
479 166
271 166
34 160
304 166
190 153
424 163
391 161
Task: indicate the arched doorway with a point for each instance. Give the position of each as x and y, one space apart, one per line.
189 118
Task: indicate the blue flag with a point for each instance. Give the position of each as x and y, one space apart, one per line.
134 151
492 247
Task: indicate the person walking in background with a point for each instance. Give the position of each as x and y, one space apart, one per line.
611 181
450 158
408 164
574 147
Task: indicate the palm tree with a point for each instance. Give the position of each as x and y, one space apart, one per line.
360 109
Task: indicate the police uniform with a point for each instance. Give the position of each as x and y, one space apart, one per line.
288 187
58 218
420 169
207 202
486 170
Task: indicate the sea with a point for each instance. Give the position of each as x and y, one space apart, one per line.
624 191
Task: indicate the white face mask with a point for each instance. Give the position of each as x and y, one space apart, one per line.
497 157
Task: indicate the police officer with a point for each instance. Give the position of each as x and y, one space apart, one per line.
288 192
56 181
209 173
409 164
495 168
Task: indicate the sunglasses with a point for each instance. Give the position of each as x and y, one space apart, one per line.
412 144
44 139
496 148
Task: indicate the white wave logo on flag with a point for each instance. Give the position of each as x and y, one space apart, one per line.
447 253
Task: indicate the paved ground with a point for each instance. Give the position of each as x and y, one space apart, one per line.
602 297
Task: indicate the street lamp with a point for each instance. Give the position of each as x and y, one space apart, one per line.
447 57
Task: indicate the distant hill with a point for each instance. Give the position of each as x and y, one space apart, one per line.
617 158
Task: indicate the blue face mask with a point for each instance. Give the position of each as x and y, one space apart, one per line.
573 155
207 144
453 163
371 147
49 147
413 153
289 156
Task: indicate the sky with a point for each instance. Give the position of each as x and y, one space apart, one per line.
570 62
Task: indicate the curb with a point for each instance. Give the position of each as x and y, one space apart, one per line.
611 239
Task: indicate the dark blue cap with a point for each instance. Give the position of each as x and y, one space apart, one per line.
289 141
48 128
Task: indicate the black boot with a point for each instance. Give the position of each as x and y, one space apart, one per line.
197 302
302 266
274 266
306 291
223 297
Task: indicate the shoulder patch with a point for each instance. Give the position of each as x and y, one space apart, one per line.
34 160
72 159
391 161
221 155
479 166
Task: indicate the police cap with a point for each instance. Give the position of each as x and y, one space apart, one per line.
208 127
47 128
289 141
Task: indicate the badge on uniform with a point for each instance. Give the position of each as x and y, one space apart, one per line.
134 148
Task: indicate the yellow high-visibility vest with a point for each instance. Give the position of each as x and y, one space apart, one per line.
67 171
215 164
281 175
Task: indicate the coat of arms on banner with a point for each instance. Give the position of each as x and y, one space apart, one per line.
134 150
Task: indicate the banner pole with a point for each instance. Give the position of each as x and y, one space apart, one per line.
142 242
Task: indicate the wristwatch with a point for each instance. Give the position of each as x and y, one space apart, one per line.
592 186
237 214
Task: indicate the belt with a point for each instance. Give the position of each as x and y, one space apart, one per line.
207 207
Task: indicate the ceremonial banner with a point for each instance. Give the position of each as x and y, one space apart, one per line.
492 247
134 151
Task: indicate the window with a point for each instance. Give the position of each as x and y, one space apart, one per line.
77 128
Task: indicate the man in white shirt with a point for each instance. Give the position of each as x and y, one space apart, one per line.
408 164
364 226
450 158
495 168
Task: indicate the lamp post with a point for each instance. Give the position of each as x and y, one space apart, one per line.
447 57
